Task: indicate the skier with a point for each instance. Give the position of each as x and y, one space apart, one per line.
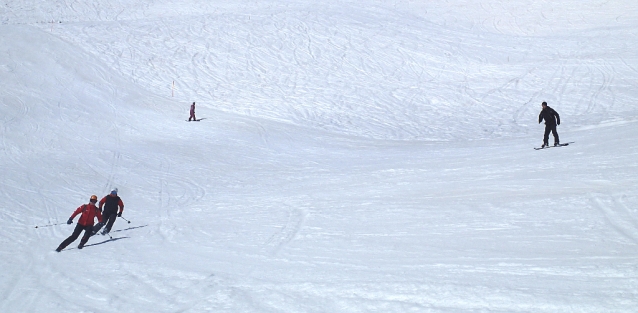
110 202
85 223
192 113
552 119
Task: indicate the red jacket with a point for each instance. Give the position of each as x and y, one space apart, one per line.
89 212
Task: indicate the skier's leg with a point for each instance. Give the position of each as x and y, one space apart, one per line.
76 233
109 223
88 230
97 227
555 133
546 134
105 221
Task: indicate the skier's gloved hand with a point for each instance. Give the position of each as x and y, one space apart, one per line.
119 214
70 221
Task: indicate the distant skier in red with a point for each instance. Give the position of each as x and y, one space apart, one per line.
192 117
85 223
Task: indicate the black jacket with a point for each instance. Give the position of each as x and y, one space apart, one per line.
550 116
111 204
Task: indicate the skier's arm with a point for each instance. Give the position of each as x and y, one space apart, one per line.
540 117
557 118
121 205
99 215
102 203
77 211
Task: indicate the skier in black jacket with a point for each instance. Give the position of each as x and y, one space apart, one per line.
111 203
552 119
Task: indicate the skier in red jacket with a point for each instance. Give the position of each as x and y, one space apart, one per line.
85 223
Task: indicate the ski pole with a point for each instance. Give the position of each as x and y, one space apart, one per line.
37 226
125 219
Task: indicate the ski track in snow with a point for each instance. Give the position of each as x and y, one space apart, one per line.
288 231
619 216
356 156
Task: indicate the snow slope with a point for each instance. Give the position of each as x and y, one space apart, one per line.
355 156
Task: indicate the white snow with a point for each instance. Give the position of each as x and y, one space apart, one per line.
355 156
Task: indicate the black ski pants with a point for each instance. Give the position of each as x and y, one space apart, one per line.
76 233
550 128
108 218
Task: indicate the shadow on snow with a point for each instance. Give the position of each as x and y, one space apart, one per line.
105 241
115 231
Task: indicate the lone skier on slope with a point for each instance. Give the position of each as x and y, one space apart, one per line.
192 113
111 203
552 119
85 223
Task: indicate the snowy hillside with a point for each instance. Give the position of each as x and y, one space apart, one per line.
354 156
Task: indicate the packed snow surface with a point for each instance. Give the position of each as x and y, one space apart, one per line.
353 156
